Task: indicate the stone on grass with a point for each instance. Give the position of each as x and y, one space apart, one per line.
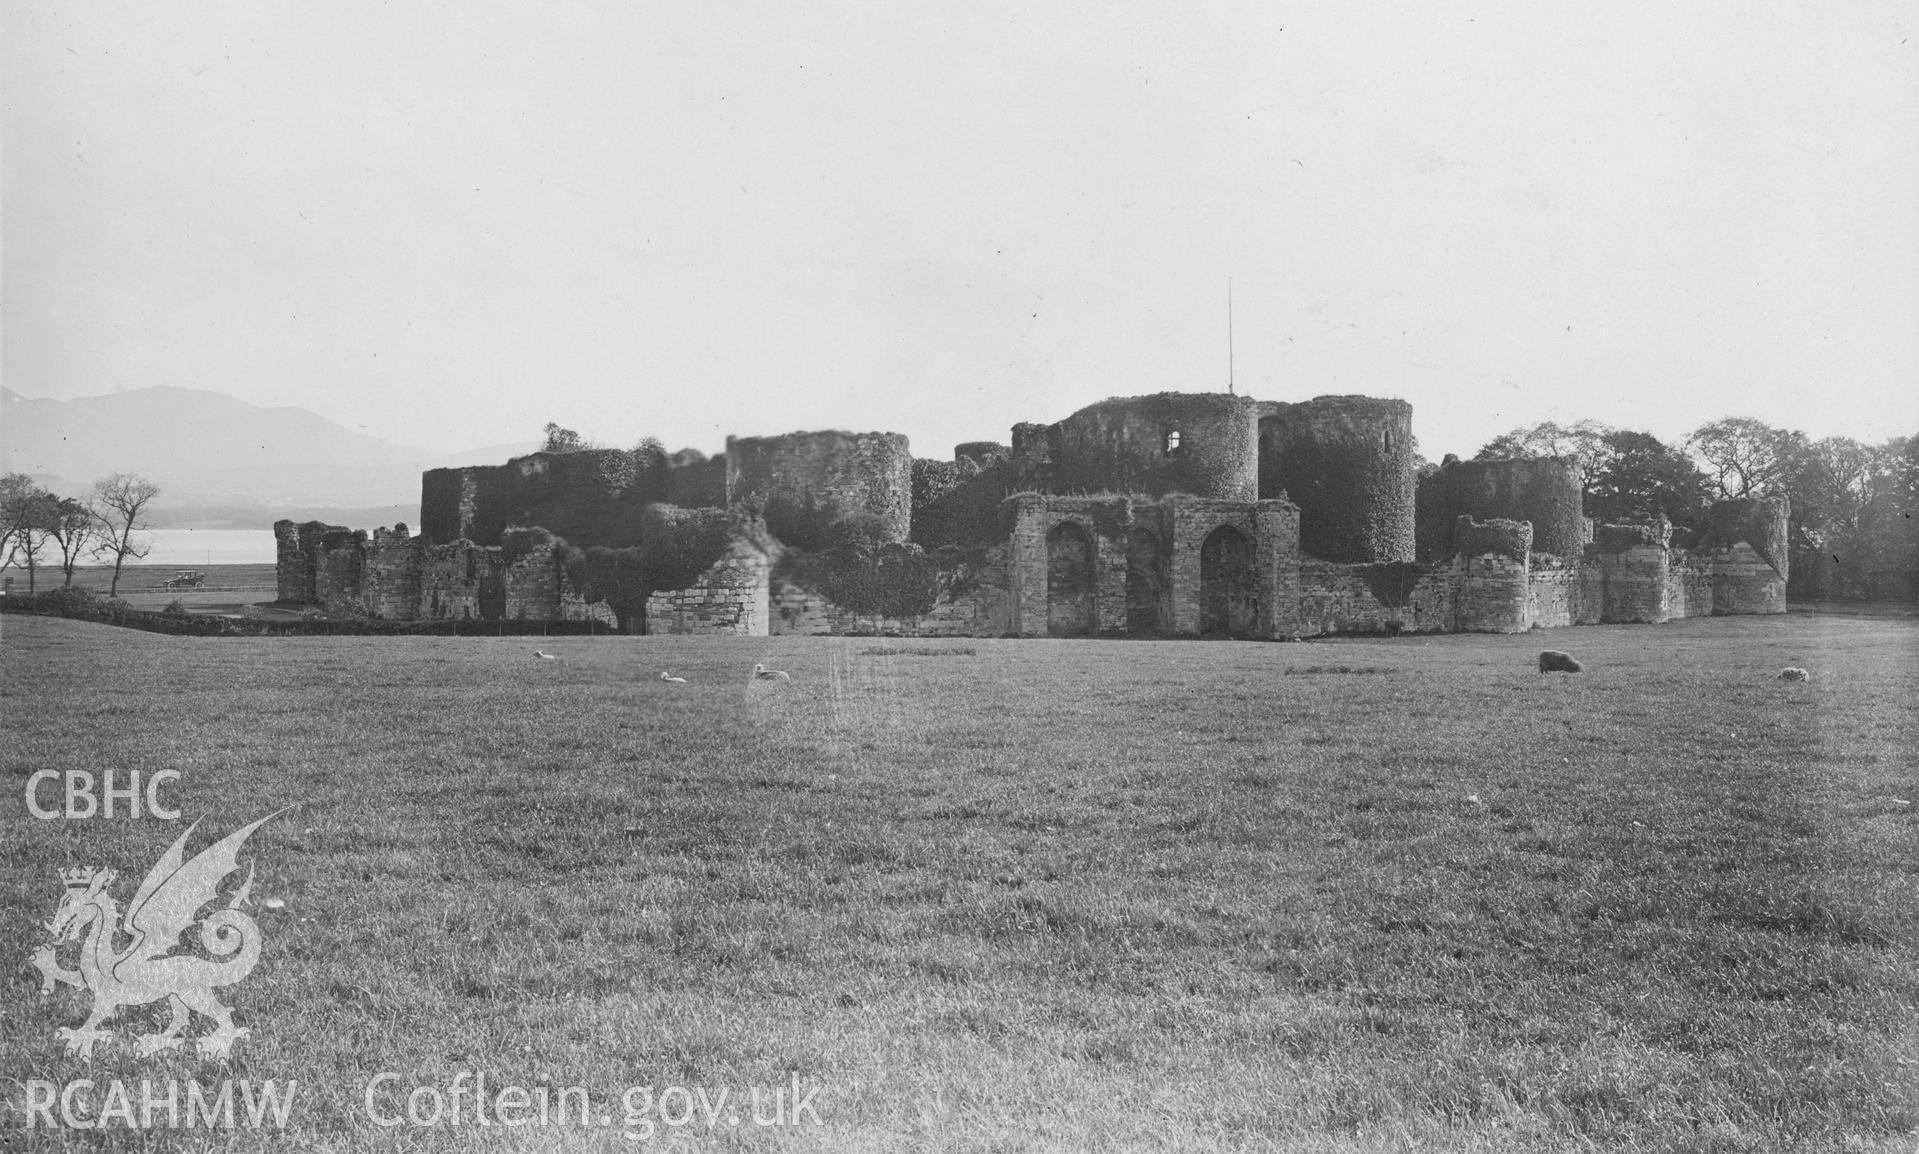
1794 673
1553 661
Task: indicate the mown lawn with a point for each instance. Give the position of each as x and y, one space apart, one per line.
1356 895
227 588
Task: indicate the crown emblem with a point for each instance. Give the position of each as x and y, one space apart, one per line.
81 877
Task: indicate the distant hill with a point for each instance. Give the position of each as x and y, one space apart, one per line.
220 461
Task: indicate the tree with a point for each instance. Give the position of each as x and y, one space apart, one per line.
1832 480
559 440
1746 458
1582 441
27 514
1889 523
1642 478
75 530
1852 526
120 502
14 488
650 460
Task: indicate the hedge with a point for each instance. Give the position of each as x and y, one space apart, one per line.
82 605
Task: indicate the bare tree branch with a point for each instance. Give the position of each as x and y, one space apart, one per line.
119 503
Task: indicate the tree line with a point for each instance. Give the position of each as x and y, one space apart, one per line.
1852 531
110 521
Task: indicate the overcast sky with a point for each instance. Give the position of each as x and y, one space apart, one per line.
451 223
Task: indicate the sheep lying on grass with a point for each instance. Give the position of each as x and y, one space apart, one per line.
1553 661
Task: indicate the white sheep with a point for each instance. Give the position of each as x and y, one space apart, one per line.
762 673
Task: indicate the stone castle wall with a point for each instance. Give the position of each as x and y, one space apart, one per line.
1635 564
1149 565
1545 492
807 482
315 561
392 575
973 601
1143 516
591 495
1495 594
1745 581
958 502
1129 555
1562 592
1689 581
1335 598
1201 444
1348 463
731 597
1747 538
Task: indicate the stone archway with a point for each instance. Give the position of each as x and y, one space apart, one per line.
1227 593
1145 583
1071 584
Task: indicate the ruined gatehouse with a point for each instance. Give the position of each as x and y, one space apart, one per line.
1176 514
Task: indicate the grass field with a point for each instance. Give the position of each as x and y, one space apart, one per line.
1360 895
228 588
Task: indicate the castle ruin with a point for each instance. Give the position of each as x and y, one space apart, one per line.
1176 514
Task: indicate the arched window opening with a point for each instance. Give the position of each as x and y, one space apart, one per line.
1172 443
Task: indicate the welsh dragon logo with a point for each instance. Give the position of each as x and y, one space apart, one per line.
148 969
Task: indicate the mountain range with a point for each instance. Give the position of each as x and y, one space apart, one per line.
221 462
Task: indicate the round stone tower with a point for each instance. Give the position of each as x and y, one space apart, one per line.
1347 462
1204 444
1543 490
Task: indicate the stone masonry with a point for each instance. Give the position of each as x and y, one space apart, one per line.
1169 515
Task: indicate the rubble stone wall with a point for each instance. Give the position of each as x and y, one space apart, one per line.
973 601
730 598
1336 598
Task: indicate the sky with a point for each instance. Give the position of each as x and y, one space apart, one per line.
449 224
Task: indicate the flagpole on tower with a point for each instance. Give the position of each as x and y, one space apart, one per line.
1229 335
